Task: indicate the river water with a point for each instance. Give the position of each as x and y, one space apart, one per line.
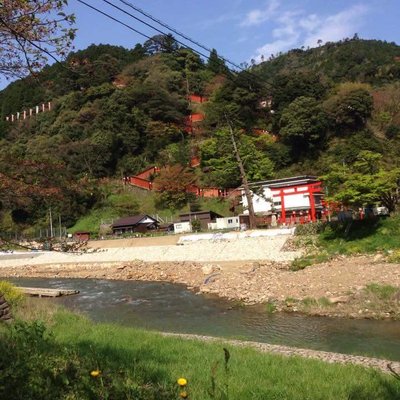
173 308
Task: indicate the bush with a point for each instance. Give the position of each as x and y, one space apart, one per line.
11 293
34 366
310 229
196 225
392 131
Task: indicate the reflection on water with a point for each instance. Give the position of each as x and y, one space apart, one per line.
169 307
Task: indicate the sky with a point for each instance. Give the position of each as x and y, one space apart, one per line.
242 30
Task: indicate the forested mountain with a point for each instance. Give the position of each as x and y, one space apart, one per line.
116 111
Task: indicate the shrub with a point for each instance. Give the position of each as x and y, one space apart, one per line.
310 229
196 225
394 257
34 366
11 293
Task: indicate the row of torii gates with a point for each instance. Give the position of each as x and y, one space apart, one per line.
29 112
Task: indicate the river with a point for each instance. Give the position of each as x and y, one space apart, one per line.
173 308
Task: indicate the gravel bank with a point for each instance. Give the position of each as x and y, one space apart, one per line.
368 362
257 248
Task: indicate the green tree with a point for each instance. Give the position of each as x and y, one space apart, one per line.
350 108
172 184
215 64
160 44
365 182
303 124
220 163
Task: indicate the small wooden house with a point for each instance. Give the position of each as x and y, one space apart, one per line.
137 223
205 217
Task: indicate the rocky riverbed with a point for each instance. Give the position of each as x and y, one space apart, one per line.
335 288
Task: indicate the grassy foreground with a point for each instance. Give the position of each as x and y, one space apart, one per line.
137 364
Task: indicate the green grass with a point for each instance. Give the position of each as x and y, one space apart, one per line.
307 260
309 302
134 358
358 237
91 222
252 375
382 292
270 307
367 236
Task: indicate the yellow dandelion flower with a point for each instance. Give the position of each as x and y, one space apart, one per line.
183 395
182 382
95 373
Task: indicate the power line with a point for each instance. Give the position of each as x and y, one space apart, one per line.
154 39
165 25
158 21
151 26
114 19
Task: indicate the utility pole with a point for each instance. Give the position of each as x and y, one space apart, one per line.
59 224
51 223
245 183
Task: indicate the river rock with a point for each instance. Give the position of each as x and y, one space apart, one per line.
339 299
207 269
378 257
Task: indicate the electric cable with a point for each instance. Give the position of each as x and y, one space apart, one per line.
229 76
165 25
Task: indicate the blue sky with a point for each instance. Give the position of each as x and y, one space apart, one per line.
246 29
243 29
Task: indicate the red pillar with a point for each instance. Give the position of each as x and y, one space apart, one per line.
312 204
283 211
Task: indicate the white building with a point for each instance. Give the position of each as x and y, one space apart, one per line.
294 197
182 227
225 223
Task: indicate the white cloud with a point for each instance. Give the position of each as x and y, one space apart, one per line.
310 22
258 16
275 47
286 35
336 27
295 28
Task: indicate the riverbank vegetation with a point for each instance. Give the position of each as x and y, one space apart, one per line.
326 241
70 357
375 301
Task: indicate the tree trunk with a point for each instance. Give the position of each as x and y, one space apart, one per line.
245 183
5 310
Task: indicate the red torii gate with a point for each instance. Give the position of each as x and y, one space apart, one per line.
308 188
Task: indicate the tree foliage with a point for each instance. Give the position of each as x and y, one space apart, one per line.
364 183
172 184
221 165
303 123
350 108
31 32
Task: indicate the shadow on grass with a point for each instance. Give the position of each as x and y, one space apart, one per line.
388 388
351 230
